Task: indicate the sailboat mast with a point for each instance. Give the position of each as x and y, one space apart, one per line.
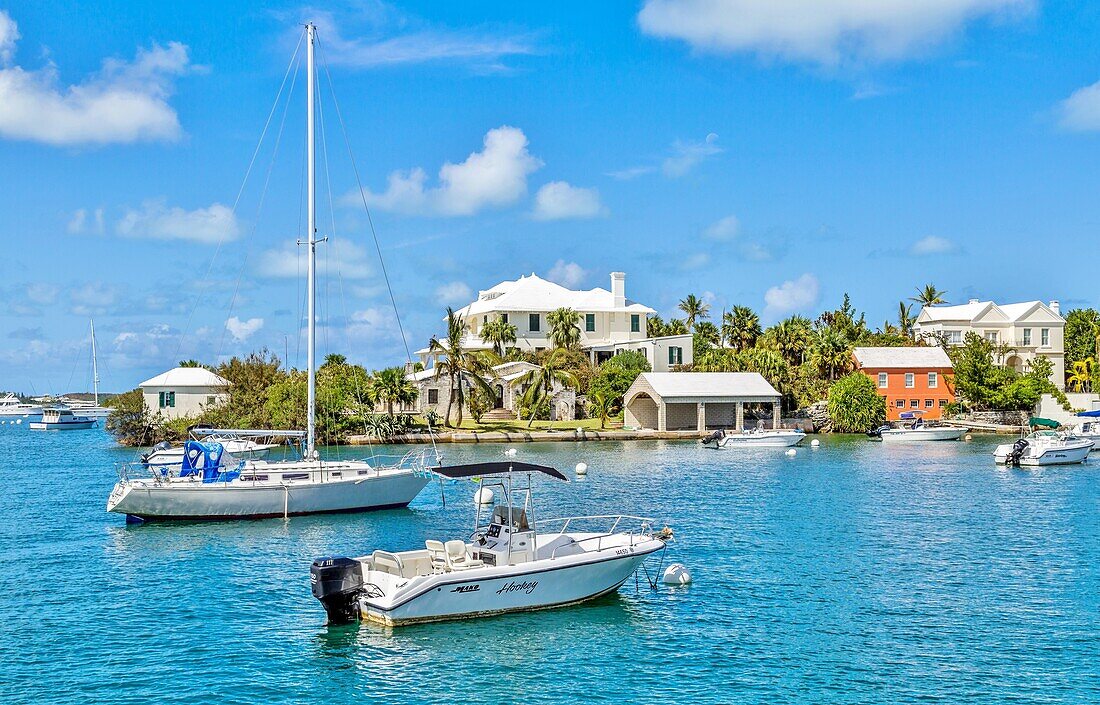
311 284
95 365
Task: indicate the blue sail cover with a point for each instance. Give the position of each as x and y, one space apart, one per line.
1090 414
203 458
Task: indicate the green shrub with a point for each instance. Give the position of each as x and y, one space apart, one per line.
854 404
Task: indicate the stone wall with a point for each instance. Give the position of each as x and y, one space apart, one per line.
999 418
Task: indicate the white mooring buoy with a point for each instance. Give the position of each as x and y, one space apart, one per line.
791 452
676 574
581 469
815 443
483 496
511 452
969 437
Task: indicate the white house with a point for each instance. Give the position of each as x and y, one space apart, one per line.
183 391
435 392
609 322
1029 329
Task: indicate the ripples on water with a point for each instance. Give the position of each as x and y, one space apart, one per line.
855 573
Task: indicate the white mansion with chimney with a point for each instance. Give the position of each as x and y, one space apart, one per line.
1030 329
609 323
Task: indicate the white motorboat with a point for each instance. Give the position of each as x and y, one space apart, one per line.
918 431
61 419
755 438
1088 426
1044 448
11 408
242 444
212 484
511 563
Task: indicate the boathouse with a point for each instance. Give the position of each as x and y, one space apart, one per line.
682 401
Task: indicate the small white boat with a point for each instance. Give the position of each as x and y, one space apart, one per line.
918 431
510 564
1044 448
62 420
1088 426
242 444
756 438
12 408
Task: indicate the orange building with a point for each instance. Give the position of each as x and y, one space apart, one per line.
911 379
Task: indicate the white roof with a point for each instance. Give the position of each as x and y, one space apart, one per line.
533 293
186 377
909 358
739 385
974 309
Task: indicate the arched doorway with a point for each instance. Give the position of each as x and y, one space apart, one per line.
498 402
1015 362
641 412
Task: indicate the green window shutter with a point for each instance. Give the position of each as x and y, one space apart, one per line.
672 356
635 323
589 322
162 400
533 322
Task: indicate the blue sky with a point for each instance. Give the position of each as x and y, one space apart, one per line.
759 152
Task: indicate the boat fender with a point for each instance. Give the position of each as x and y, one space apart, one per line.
337 582
676 574
815 443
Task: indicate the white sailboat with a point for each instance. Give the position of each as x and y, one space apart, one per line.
81 407
212 484
511 564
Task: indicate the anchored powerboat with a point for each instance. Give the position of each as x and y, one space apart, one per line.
510 564
755 438
12 408
248 444
61 419
1046 447
918 430
1089 425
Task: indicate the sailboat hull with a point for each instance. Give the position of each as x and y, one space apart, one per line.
176 501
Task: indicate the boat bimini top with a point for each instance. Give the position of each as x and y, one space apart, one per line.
459 472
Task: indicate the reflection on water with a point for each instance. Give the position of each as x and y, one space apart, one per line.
854 572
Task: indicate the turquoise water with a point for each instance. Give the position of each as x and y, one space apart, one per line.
855 573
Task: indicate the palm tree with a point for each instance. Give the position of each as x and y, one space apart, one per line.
929 296
792 337
831 353
676 327
905 319
392 387
600 404
457 364
694 309
500 333
539 382
708 332
565 330
1080 379
741 327
654 327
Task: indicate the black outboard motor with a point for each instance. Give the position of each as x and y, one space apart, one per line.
337 583
713 438
1017 452
877 432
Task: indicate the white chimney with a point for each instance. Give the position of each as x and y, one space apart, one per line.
1056 307
618 289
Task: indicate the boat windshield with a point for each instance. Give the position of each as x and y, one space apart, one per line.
519 517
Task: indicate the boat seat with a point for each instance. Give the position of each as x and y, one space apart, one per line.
386 562
458 558
437 551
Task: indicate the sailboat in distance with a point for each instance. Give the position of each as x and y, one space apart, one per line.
210 483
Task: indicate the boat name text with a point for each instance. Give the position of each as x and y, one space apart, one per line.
519 587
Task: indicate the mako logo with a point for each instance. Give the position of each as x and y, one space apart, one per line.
518 587
467 588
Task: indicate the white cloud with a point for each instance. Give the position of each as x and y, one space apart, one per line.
1081 111
213 224
453 293
372 324
9 35
631 172
755 252
41 293
933 245
697 260
483 49
827 32
337 257
494 177
725 229
123 103
791 296
687 155
79 222
243 330
568 274
94 299
559 200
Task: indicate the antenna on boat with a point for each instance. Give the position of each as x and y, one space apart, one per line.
311 242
